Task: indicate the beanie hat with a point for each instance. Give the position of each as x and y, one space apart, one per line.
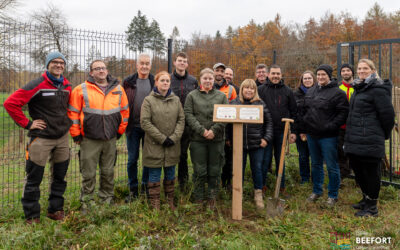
346 65
327 68
53 55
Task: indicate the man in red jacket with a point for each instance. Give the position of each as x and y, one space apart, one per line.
47 98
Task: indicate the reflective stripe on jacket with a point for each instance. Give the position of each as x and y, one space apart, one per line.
98 115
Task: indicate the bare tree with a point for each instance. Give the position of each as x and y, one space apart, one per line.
51 33
5 7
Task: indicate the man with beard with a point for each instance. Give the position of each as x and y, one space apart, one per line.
221 84
280 101
347 73
228 76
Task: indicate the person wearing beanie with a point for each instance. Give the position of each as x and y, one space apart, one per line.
47 98
325 110
327 68
346 73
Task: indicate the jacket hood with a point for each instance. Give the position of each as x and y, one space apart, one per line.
373 82
157 94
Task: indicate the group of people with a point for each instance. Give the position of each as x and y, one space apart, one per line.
169 113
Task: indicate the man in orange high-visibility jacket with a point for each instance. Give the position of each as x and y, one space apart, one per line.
221 84
99 112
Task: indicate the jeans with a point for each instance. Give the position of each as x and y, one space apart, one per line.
324 149
155 174
133 145
304 159
276 147
256 156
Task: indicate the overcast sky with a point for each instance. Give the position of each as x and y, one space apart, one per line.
205 16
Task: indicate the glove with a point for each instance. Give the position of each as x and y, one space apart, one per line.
168 142
118 136
77 139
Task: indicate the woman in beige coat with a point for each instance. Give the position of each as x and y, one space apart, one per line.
163 122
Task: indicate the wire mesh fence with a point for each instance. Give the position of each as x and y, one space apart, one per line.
23 48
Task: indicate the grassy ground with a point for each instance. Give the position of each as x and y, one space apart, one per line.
303 225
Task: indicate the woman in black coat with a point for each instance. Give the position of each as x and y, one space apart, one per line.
306 81
255 137
370 121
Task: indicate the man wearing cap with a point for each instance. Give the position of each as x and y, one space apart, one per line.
181 84
221 84
347 74
325 110
99 112
47 98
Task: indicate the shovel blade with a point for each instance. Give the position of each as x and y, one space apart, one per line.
275 207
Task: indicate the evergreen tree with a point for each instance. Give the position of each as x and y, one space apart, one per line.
157 39
139 33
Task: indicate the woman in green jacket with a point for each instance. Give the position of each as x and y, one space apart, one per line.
207 138
163 122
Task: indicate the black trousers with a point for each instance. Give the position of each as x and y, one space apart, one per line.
343 160
183 174
226 176
367 172
31 195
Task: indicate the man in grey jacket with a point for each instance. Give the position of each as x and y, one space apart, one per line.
181 84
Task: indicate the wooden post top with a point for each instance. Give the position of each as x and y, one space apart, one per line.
238 113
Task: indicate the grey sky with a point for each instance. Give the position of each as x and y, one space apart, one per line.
203 16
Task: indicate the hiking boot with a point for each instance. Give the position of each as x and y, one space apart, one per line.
370 209
258 198
169 191
133 195
154 190
32 221
331 202
59 215
108 201
313 197
360 205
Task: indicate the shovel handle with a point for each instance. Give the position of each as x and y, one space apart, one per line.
282 158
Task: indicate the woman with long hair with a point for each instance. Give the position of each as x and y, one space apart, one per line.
306 81
370 121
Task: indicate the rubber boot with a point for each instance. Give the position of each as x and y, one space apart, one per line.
154 190
258 198
169 190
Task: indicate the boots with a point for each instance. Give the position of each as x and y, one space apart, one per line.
360 205
133 195
154 190
258 198
370 209
169 190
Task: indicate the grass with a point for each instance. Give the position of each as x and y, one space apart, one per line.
303 225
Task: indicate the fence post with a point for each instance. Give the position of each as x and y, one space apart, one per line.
169 55
338 59
351 54
274 57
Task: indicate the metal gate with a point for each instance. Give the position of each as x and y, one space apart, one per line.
385 54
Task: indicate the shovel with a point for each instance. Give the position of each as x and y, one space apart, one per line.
275 205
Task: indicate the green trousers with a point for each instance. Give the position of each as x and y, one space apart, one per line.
206 158
93 153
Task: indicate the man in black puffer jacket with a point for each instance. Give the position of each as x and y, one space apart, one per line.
280 102
181 84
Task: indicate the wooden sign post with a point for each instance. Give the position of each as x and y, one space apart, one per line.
237 114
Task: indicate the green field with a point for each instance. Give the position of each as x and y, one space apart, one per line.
303 225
